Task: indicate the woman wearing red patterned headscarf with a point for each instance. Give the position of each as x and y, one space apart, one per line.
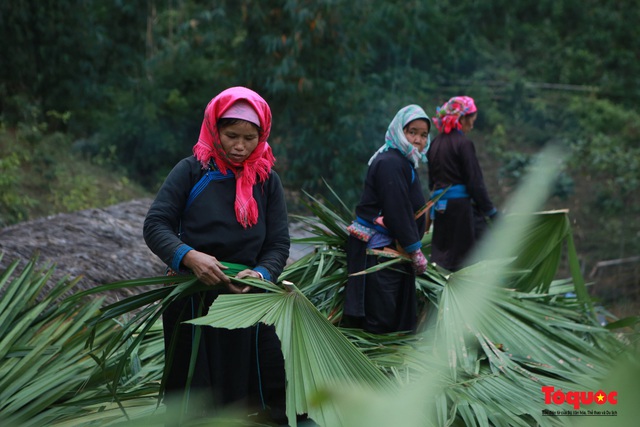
464 206
224 205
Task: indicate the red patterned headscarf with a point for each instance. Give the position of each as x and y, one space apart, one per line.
256 167
448 116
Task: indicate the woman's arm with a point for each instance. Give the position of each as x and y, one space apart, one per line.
163 218
475 180
393 180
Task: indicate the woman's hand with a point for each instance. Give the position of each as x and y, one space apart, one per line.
418 261
206 268
237 289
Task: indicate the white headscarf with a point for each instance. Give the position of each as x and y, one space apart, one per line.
395 138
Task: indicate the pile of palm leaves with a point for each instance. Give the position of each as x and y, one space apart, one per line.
492 335
48 375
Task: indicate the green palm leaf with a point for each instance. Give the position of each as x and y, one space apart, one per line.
46 373
317 356
542 252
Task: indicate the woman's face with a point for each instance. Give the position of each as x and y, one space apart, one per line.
417 133
467 122
239 140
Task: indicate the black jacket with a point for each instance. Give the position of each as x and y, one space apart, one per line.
209 224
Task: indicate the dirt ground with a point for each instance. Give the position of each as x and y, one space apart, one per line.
98 246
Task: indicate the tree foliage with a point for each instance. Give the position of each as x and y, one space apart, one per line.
129 81
137 77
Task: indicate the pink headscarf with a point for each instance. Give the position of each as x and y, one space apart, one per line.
256 167
244 111
448 116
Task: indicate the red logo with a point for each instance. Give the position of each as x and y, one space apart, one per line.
577 398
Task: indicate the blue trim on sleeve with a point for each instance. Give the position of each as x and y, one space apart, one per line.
491 212
177 257
265 273
414 247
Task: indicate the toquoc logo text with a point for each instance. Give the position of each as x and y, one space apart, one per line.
577 398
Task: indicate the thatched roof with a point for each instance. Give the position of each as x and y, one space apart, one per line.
96 245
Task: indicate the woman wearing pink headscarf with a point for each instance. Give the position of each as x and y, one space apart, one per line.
223 206
464 206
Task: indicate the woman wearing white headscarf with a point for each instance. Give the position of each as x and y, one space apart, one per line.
385 301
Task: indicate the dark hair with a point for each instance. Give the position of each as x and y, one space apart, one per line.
228 121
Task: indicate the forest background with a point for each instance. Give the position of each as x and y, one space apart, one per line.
100 98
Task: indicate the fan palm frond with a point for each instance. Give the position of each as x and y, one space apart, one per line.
317 356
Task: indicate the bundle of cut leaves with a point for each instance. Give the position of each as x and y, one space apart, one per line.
492 335
48 376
